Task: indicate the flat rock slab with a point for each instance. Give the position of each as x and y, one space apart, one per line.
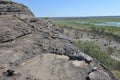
54 67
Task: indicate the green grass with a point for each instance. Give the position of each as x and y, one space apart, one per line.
94 51
107 30
91 20
73 24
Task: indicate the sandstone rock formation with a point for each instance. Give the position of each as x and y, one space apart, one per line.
12 8
32 49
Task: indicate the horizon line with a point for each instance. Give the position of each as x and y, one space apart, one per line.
79 16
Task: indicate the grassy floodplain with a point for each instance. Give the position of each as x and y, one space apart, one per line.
74 23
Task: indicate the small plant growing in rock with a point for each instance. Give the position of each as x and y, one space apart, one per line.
54 24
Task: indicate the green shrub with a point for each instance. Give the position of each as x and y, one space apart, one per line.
110 50
94 51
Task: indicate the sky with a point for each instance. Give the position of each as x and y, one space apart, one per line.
73 8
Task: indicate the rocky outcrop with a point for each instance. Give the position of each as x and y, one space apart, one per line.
32 49
29 36
25 42
56 67
12 8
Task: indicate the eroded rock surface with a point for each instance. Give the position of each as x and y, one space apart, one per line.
12 8
56 67
32 49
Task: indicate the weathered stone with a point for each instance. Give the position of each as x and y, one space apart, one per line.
12 8
38 51
53 67
99 75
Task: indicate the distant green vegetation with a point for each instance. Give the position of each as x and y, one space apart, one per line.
90 19
110 50
75 25
105 30
104 57
94 51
